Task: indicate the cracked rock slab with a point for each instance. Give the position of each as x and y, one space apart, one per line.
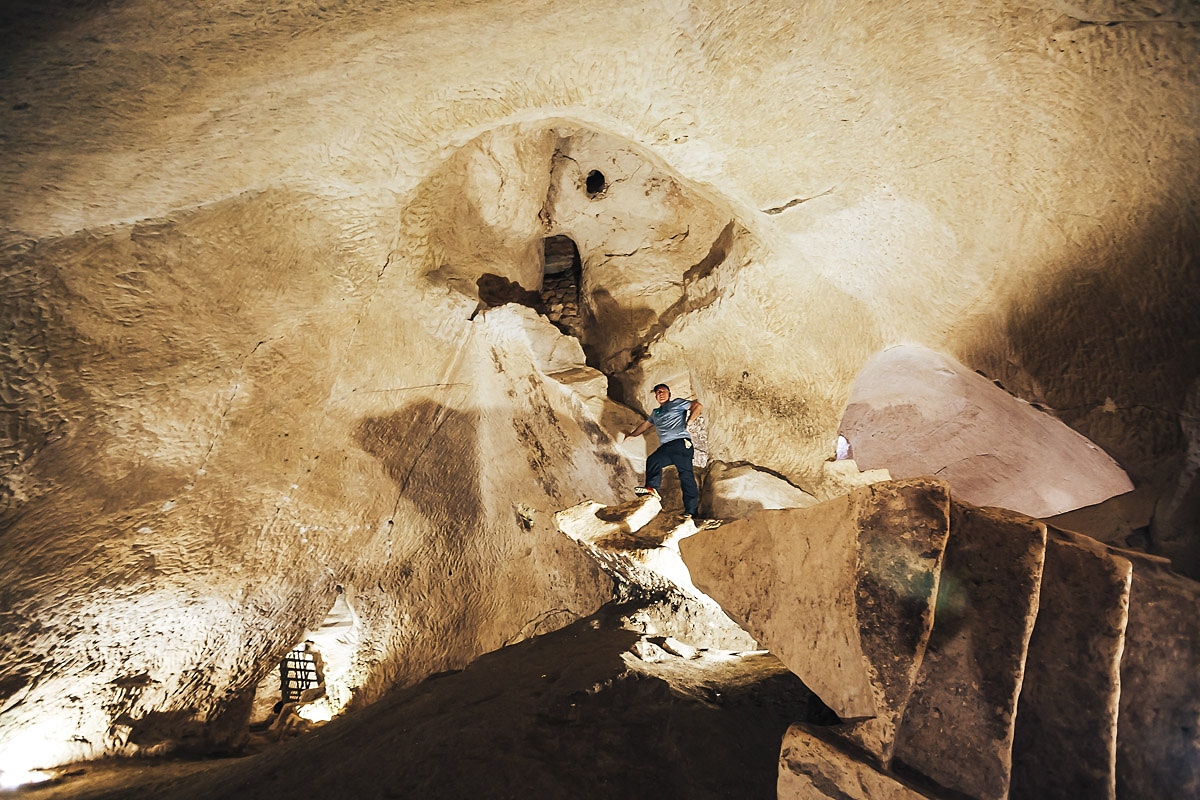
1065 742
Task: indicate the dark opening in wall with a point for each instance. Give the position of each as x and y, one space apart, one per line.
596 183
560 284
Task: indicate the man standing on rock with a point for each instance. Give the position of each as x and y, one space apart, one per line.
671 420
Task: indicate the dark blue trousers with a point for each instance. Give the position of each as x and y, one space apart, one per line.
678 452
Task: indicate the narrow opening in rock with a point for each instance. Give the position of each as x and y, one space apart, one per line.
301 670
560 284
596 183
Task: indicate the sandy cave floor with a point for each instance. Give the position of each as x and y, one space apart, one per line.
569 714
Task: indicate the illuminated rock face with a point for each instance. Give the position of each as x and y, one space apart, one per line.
244 360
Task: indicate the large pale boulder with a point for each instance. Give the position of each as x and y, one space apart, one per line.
914 412
843 593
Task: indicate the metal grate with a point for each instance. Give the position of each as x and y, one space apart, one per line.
297 672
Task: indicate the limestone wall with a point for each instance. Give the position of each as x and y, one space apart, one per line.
243 358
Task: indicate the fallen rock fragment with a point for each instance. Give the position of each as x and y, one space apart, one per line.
678 648
840 477
648 651
914 411
735 491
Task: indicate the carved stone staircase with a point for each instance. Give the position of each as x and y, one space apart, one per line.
969 652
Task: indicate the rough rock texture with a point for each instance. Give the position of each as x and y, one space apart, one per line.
811 768
959 721
735 491
1065 744
240 242
916 412
851 584
254 528
639 546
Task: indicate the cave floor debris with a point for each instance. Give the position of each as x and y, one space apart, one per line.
572 713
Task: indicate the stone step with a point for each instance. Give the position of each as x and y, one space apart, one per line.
811 767
958 726
1065 741
1158 738
842 593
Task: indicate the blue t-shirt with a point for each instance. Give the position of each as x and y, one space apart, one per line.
670 420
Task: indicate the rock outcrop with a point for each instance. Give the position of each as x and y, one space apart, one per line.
1014 687
639 547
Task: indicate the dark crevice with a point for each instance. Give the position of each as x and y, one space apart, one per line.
795 202
716 255
496 290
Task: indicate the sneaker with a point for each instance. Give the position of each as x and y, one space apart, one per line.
647 490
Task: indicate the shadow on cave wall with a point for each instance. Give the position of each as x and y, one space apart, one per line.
1113 346
431 452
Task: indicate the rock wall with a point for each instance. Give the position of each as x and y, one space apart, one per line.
245 361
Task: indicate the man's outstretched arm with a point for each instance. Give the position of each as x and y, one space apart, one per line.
640 429
694 410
